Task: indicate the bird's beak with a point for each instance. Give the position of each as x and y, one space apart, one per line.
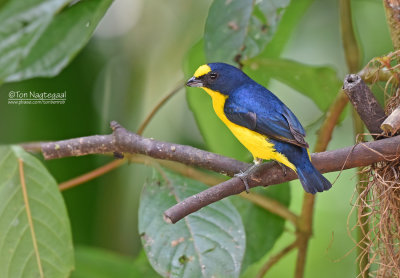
194 82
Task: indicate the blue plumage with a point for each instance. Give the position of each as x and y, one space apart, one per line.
310 178
248 104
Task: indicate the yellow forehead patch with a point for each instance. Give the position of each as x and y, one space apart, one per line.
202 70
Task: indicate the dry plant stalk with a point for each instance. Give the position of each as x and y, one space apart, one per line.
378 203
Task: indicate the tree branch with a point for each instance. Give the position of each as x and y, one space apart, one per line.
392 123
362 154
124 141
364 102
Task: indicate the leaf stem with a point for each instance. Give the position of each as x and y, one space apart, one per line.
29 217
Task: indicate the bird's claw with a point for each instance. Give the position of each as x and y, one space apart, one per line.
283 167
243 177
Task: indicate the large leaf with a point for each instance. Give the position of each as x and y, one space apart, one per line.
21 24
262 227
321 84
207 243
39 40
98 263
35 237
240 27
290 19
217 136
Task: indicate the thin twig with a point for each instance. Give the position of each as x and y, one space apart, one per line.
34 146
157 107
350 45
304 232
373 74
274 259
91 175
331 119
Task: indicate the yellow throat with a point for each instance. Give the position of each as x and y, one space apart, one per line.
257 144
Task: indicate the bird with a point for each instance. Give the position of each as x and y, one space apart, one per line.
260 121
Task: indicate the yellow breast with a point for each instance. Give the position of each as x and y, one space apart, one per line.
256 143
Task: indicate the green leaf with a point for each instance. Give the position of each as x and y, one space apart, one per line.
40 221
39 40
21 24
240 27
98 263
263 228
290 19
321 84
207 243
217 136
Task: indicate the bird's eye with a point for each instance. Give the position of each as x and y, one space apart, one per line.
213 75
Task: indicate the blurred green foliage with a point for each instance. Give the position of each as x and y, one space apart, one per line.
295 50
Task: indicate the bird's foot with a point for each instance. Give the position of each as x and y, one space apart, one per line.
244 175
283 167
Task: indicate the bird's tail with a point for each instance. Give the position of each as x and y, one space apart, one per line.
312 180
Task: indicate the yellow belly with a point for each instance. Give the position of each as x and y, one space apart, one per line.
256 143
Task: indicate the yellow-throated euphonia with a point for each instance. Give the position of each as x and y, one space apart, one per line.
260 121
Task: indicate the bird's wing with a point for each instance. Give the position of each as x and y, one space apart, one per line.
280 124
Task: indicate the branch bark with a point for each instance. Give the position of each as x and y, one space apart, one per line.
392 123
123 141
364 102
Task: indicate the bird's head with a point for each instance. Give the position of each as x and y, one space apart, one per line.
218 77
